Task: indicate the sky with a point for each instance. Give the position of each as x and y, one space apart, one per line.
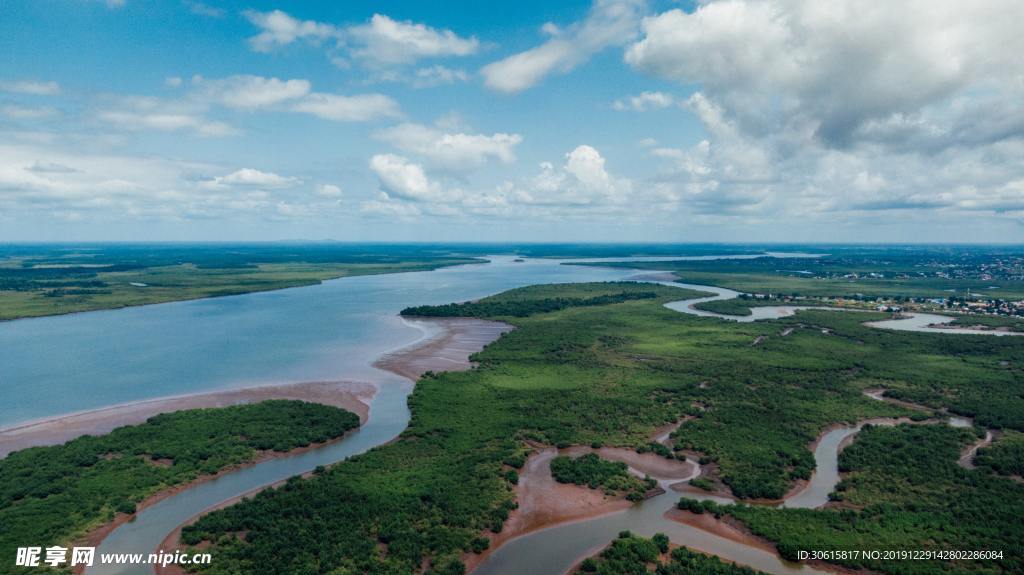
604 120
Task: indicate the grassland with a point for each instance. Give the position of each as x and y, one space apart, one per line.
53 281
609 374
54 495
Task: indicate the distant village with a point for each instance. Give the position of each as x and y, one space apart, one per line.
962 304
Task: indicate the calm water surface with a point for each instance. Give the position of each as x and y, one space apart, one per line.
57 365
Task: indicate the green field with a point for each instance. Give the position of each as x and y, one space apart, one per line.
609 374
54 495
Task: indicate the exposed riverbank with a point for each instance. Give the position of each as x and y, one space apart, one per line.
447 345
353 396
545 503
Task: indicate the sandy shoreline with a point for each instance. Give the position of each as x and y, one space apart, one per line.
353 396
447 345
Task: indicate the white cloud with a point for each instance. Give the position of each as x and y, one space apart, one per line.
328 191
200 9
583 180
823 111
831 68
381 44
31 87
172 81
250 92
609 23
388 208
387 42
404 179
28 112
644 101
436 76
166 122
358 108
279 29
582 187
249 177
47 182
451 151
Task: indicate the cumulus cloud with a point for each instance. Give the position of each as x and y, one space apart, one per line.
582 180
819 109
404 179
30 87
644 101
358 108
329 191
249 177
380 44
609 23
451 151
832 68
278 29
580 187
387 42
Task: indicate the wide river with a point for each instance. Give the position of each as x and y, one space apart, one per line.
332 331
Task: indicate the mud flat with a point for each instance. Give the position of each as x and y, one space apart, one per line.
445 346
353 396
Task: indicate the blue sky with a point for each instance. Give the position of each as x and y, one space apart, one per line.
742 120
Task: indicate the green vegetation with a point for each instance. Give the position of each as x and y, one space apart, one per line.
596 473
1005 456
49 280
703 483
700 507
919 273
53 495
902 490
632 555
606 375
504 306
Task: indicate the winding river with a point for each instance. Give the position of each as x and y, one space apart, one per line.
56 365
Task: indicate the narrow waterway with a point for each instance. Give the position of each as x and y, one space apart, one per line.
912 321
152 524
